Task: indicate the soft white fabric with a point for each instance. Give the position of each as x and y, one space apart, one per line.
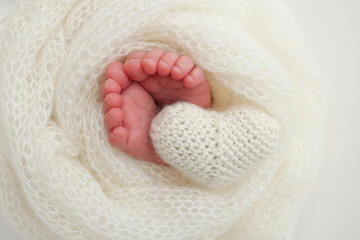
5 6
59 177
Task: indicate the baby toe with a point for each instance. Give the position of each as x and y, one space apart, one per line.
166 63
109 86
133 68
138 54
150 60
118 138
111 100
115 71
194 78
113 118
182 67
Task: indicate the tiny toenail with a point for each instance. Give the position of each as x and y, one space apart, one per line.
107 85
107 100
112 114
148 60
176 69
163 63
190 78
117 132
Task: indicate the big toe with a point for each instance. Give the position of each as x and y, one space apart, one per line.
150 60
115 70
133 66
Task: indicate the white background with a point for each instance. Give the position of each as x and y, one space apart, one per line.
331 30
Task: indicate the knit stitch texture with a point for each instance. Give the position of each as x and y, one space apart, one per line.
213 148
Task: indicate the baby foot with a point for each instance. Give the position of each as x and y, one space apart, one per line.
129 110
168 77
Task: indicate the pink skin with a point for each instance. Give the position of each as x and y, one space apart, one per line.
129 107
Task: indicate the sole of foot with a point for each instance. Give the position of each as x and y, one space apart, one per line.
128 115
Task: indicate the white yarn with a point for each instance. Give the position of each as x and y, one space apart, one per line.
59 177
210 147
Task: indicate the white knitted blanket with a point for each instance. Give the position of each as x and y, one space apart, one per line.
60 178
